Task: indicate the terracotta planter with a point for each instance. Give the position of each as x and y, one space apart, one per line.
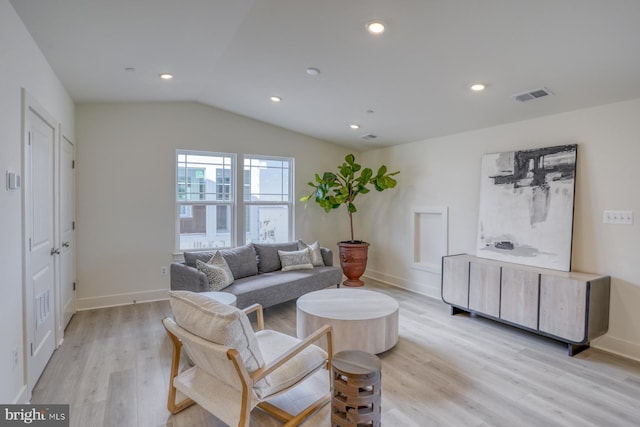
353 260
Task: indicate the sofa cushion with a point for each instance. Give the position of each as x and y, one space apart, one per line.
316 255
190 258
241 260
295 260
268 259
217 271
217 322
278 286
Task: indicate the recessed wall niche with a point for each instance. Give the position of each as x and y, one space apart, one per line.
430 241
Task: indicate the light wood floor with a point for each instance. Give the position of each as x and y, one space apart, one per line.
445 371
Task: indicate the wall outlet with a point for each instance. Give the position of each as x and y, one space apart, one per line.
617 217
163 270
14 358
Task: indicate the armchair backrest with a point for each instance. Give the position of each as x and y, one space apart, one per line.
210 357
219 326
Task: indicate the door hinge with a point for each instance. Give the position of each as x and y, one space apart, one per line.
29 244
29 138
32 349
73 225
74 286
73 164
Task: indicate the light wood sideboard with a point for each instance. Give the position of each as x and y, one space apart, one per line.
571 307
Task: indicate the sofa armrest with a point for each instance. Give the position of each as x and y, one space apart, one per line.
185 278
327 256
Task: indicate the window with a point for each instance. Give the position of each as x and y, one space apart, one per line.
207 213
205 200
268 203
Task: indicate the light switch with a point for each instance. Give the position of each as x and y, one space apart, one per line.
13 181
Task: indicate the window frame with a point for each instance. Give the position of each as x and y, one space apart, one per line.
290 203
231 203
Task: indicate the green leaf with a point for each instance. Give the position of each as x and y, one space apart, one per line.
382 170
366 175
350 158
351 207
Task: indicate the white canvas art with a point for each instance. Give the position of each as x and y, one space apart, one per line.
526 206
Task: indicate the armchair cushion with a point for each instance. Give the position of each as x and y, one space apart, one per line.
273 344
217 322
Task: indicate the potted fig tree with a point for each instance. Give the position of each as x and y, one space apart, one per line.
332 190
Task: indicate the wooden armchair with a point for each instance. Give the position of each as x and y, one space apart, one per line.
236 369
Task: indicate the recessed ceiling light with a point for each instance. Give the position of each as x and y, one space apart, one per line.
354 126
375 27
477 87
166 76
313 71
275 99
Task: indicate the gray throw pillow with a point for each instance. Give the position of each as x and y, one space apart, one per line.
295 260
190 258
316 255
268 259
241 260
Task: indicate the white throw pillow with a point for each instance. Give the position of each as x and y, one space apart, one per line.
217 271
217 322
295 260
316 255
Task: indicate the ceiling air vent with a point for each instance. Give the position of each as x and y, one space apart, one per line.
368 136
534 94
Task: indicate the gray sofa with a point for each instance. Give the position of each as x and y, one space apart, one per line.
257 274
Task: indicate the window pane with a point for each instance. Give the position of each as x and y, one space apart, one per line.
202 177
267 224
200 229
266 180
205 192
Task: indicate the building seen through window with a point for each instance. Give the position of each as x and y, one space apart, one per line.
208 215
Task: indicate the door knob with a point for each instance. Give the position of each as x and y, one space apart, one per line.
65 244
55 251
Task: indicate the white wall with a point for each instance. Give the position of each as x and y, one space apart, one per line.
22 65
444 172
126 188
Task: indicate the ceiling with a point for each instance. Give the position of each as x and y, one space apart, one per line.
410 83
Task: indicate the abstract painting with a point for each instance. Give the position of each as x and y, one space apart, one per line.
526 206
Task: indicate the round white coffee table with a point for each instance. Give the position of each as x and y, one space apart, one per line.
361 319
223 297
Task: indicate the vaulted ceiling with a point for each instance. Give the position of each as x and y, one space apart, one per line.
409 83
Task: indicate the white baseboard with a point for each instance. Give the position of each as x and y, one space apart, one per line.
420 288
121 299
617 346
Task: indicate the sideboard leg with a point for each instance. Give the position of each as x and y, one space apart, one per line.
577 348
456 310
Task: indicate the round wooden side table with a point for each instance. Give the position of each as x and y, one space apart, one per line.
355 388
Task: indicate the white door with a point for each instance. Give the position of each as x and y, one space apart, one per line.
39 187
67 231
